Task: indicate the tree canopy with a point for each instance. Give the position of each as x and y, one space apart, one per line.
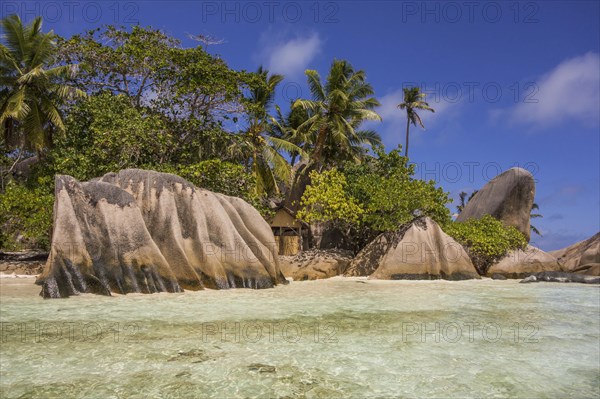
137 98
377 195
31 86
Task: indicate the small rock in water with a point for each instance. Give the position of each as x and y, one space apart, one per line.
262 368
195 355
562 277
183 374
530 279
498 276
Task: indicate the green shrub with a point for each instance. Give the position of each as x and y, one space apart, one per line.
378 195
105 133
25 217
222 177
219 176
326 200
486 240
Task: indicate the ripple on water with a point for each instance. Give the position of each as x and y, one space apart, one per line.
333 338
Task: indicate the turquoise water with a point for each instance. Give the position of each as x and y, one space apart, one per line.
330 338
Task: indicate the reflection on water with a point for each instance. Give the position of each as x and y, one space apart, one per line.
332 338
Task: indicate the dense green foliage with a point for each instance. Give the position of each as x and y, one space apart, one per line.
31 91
111 135
269 166
327 200
334 116
487 240
221 177
136 98
391 196
25 217
197 95
152 69
377 195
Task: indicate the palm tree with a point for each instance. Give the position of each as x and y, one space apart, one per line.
286 127
414 99
268 165
533 216
30 92
336 111
464 200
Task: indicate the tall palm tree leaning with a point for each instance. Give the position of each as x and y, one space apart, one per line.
414 99
268 165
336 112
30 89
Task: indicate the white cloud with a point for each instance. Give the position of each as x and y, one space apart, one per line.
291 57
570 92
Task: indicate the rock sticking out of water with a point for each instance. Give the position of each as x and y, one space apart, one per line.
418 251
140 231
561 277
315 264
521 263
262 368
582 257
194 355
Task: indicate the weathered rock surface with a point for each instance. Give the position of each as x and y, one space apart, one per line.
22 263
522 263
508 197
419 251
582 257
22 268
144 231
315 264
561 277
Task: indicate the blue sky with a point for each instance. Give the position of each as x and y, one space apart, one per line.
513 83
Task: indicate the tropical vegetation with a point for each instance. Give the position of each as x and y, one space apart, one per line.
379 194
487 240
114 98
335 113
32 87
414 99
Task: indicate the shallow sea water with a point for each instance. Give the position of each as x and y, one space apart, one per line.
321 339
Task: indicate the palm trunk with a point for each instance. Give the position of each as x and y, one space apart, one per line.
256 172
407 128
319 145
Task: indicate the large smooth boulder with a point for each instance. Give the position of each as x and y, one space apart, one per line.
582 257
315 264
144 231
521 263
419 251
508 197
